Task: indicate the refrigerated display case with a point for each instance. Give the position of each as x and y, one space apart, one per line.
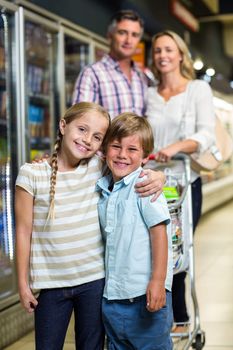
41 56
100 51
7 270
41 45
76 50
28 109
77 56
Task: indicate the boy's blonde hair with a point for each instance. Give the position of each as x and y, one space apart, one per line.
74 112
186 65
128 124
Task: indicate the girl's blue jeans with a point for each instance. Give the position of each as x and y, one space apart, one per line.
53 313
130 326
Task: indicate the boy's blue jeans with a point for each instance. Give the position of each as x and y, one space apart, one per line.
129 325
53 313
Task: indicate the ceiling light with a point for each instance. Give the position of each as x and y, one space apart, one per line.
210 72
198 64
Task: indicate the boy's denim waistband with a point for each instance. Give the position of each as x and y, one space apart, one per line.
127 301
130 300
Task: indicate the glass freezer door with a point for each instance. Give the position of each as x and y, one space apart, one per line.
41 65
76 57
100 51
7 267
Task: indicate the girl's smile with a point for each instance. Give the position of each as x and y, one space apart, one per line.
82 137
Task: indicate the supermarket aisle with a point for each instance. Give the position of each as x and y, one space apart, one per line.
214 282
214 277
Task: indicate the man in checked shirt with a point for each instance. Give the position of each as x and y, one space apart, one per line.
115 82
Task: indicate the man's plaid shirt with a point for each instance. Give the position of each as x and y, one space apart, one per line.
103 82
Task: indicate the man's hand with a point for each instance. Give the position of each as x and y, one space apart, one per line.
43 158
152 185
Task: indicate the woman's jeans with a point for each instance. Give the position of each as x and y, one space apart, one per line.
53 313
178 287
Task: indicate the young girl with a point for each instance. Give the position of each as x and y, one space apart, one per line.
57 232
58 236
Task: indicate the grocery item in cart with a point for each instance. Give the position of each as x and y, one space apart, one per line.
172 193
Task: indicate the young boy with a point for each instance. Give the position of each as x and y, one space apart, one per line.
137 308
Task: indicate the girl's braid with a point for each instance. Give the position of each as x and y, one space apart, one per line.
74 112
53 176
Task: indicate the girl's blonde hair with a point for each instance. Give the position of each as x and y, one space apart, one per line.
127 124
186 64
74 112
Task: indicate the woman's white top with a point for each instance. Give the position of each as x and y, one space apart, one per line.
167 117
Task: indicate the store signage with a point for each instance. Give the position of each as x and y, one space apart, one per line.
184 15
139 56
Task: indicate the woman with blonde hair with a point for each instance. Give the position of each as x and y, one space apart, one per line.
180 111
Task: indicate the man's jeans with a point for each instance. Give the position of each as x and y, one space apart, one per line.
53 313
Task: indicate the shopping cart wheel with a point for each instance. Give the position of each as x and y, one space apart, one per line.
199 341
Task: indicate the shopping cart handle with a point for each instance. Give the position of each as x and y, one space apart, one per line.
186 160
181 156
178 156
151 157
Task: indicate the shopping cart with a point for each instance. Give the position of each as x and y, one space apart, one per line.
179 199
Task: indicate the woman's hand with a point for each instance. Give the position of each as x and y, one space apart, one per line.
166 153
152 185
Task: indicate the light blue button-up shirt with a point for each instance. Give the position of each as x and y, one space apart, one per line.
125 220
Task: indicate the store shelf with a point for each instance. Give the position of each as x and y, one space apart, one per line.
40 141
3 122
2 82
217 192
36 60
41 97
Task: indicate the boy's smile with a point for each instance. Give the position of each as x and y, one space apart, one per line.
124 156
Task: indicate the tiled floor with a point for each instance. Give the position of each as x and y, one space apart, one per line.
214 283
214 277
